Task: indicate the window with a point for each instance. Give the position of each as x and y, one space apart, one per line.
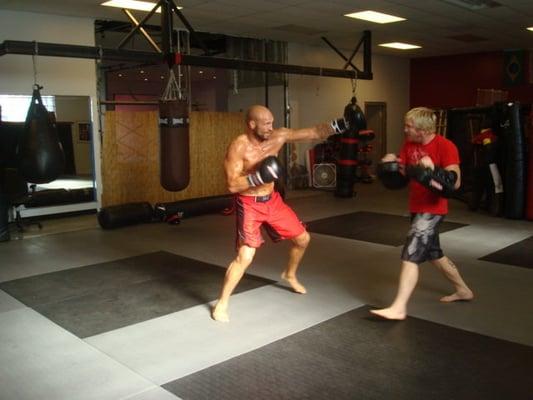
14 108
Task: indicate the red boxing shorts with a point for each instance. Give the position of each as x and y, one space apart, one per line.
271 212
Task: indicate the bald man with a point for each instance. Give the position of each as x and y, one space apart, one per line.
252 167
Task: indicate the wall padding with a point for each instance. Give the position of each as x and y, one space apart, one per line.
130 156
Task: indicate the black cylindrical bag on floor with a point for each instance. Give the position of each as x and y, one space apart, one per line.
125 214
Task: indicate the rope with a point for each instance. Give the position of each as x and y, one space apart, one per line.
235 82
354 83
34 60
173 90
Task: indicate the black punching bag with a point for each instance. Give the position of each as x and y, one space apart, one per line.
40 154
174 144
347 163
4 216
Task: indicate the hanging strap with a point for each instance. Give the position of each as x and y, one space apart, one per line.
36 97
173 90
354 83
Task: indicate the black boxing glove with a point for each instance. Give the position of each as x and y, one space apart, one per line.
340 125
268 171
438 180
390 176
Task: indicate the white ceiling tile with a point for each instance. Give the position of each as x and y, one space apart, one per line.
429 21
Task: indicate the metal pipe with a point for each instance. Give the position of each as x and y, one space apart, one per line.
349 62
265 58
142 30
132 32
188 26
89 52
367 51
127 103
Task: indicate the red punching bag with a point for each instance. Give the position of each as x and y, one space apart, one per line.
39 151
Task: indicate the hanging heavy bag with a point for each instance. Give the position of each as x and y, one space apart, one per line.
173 137
174 144
39 152
4 216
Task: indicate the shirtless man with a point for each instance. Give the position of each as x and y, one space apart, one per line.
251 167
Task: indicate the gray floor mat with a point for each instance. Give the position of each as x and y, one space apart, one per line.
370 227
98 298
519 254
355 356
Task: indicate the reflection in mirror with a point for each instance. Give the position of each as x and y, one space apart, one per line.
73 118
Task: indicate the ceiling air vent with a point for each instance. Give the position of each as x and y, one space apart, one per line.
473 5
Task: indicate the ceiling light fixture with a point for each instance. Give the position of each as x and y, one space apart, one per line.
400 46
530 28
374 16
133 5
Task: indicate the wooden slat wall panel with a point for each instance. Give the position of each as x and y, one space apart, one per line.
130 156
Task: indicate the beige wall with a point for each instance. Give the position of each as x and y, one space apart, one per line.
314 99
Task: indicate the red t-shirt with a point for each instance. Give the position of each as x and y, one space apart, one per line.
443 153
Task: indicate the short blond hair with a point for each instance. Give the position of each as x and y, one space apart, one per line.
423 118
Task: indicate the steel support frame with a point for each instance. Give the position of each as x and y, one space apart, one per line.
366 41
167 52
100 53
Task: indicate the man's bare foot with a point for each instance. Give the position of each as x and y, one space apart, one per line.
389 313
220 314
460 295
295 285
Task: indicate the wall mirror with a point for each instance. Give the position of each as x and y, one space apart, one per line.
75 130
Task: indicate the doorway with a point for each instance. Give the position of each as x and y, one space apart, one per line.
376 119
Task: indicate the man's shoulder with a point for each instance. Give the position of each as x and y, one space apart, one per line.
239 143
445 141
240 140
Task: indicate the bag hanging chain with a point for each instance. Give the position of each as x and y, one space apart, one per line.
34 61
173 90
354 83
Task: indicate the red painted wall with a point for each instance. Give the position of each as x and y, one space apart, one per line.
452 81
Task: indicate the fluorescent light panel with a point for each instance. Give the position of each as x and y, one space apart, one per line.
400 46
530 28
133 5
374 16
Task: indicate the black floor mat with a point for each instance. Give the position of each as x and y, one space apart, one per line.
98 298
370 227
519 254
354 356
